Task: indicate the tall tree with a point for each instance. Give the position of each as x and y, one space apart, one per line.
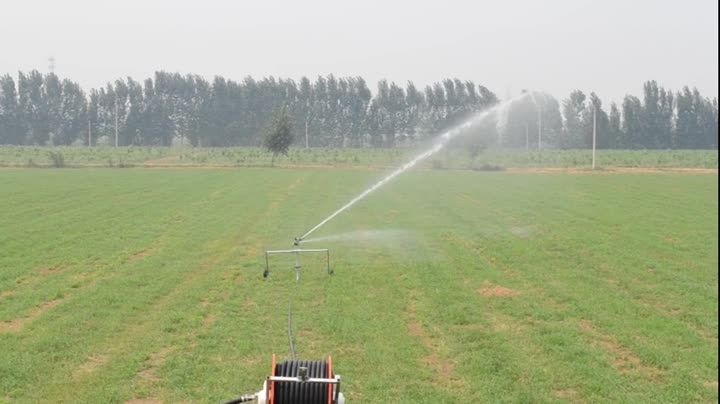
632 123
33 108
415 103
396 110
707 136
134 113
10 129
602 123
650 121
573 110
52 99
666 113
92 117
72 120
714 131
686 133
306 107
614 127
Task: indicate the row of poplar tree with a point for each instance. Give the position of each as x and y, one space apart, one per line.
171 109
663 119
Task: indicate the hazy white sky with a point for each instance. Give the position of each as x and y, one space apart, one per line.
608 46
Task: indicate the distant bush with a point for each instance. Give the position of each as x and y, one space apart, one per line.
488 167
57 158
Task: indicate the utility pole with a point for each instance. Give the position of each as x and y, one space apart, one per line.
527 137
116 122
539 127
307 142
594 135
89 134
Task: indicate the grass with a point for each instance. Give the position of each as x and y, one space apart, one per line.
121 285
33 156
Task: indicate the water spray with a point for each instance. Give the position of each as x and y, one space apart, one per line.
440 143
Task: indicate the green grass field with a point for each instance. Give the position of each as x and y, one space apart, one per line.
146 284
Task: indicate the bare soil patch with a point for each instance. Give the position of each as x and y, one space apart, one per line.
622 358
208 321
156 360
469 327
93 363
569 395
18 324
498 291
489 289
442 367
52 269
142 253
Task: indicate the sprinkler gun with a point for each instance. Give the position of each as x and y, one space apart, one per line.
297 241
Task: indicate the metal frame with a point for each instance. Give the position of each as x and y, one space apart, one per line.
297 252
335 382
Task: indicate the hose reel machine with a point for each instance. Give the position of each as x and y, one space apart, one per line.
297 381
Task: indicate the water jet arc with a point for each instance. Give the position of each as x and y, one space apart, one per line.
441 141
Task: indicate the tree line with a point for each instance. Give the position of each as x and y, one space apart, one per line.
171 109
663 119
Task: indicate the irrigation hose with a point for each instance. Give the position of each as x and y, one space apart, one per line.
289 326
291 339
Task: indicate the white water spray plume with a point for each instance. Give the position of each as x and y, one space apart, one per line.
441 141
363 235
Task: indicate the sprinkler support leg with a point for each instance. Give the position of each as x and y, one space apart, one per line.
330 272
266 273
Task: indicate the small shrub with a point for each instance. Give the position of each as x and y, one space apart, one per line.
489 167
57 158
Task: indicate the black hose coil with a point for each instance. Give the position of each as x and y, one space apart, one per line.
297 392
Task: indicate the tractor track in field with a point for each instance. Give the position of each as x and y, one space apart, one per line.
441 366
76 281
19 323
621 357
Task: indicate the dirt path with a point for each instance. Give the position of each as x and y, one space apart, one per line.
611 170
